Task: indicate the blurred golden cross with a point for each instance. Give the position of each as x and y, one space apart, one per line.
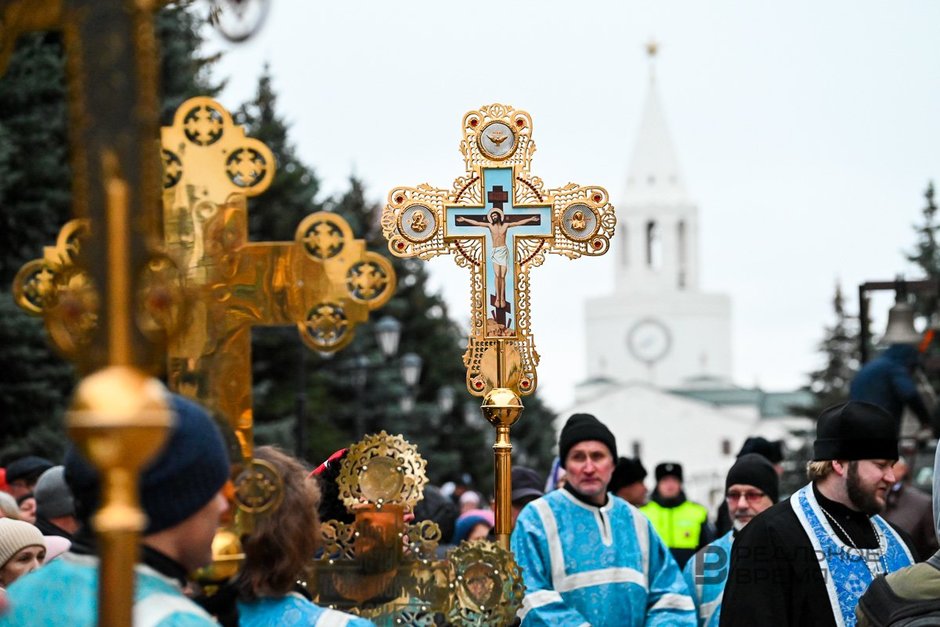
324 282
211 285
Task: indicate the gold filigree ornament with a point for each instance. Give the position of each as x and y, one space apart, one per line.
259 487
487 585
382 470
499 221
57 289
354 281
389 571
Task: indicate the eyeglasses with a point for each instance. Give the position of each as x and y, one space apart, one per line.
750 497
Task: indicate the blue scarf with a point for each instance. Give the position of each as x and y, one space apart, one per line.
846 570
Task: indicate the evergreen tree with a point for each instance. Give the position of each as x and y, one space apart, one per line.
275 214
840 352
926 253
35 193
185 72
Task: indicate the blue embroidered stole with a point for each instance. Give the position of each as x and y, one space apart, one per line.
847 571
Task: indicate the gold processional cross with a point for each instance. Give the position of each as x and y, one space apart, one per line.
324 282
210 285
499 221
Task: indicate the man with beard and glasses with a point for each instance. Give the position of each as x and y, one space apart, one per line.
806 561
751 487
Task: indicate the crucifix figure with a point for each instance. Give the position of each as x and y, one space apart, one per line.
499 244
499 221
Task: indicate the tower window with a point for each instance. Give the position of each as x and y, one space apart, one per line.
654 252
624 247
683 258
637 447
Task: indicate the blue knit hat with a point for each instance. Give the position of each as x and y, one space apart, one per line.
189 471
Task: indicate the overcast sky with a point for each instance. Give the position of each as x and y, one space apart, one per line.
806 132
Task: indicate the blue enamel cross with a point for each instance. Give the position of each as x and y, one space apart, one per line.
498 223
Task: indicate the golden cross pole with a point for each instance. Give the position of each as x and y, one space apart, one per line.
118 416
499 221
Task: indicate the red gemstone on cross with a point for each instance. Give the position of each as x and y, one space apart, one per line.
400 246
520 122
399 199
474 122
597 197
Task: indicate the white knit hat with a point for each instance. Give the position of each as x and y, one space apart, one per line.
16 535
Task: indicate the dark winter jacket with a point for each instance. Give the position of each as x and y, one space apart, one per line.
887 382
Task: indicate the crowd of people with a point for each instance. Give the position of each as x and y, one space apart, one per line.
594 546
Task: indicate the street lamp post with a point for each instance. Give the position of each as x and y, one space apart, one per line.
445 399
387 336
410 368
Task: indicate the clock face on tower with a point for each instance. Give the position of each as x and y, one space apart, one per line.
649 340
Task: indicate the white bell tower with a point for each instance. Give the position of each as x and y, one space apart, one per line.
657 326
658 224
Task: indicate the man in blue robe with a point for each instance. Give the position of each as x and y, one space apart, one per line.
590 558
752 485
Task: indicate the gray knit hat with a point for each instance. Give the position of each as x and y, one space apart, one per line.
16 535
53 497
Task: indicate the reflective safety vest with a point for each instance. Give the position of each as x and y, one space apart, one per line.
680 527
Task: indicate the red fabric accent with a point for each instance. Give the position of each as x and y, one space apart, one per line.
319 470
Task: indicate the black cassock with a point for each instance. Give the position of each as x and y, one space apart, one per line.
775 578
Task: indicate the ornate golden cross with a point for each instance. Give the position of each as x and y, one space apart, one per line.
499 221
325 281
212 285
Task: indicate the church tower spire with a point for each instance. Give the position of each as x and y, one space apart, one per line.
659 230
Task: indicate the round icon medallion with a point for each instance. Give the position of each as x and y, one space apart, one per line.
418 223
497 140
579 222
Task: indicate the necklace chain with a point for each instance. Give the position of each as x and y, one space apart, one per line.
881 549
